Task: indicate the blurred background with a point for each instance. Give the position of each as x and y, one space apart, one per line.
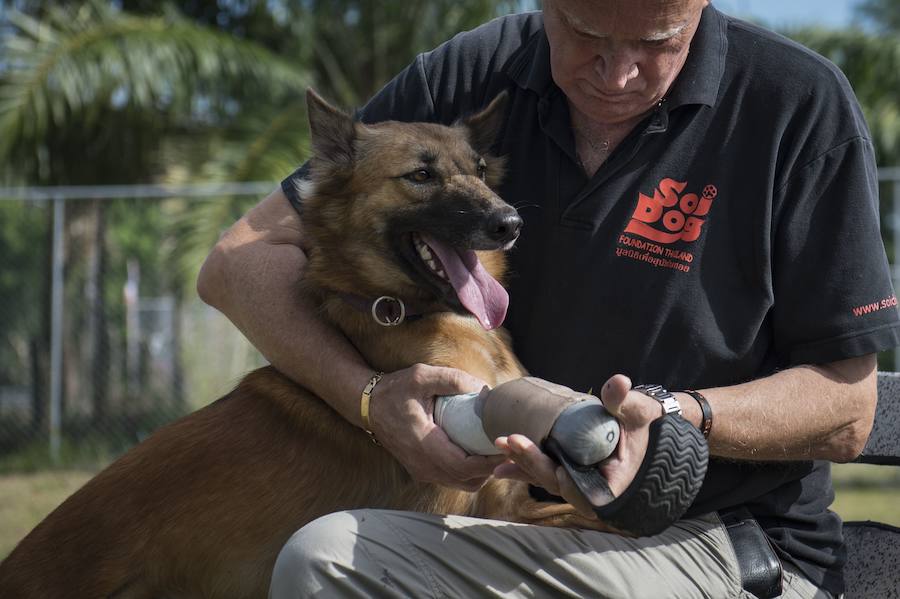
133 132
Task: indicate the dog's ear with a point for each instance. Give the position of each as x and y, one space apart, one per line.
484 126
332 131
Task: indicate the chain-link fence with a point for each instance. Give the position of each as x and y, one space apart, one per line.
102 337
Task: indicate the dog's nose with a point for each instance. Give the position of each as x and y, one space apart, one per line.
504 226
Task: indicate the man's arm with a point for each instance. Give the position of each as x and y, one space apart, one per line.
822 412
253 276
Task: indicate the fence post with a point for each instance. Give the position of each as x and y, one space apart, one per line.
56 326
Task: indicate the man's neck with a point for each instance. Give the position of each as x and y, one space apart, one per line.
595 141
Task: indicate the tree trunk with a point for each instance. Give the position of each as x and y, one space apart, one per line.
178 403
39 343
97 318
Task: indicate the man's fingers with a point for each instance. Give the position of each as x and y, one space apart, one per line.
531 460
472 486
614 392
400 414
535 467
570 493
476 466
456 464
512 470
446 381
485 461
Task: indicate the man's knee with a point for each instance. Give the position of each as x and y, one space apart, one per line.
313 555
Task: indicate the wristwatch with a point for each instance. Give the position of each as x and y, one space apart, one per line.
668 402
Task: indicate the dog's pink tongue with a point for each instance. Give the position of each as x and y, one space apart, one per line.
477 290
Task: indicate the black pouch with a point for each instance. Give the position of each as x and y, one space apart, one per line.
760 567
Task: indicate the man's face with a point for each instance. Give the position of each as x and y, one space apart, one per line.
615 59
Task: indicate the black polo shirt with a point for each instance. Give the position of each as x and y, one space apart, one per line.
733 233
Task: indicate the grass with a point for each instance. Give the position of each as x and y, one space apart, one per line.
84 455
27 498
867 492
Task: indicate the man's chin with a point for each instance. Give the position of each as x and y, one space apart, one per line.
609 109
614 113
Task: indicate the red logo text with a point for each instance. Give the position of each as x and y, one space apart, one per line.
669 216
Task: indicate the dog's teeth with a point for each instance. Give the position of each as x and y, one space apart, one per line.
427 256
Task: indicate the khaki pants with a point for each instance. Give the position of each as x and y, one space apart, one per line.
380 553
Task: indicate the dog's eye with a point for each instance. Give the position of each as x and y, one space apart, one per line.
482 168
420 176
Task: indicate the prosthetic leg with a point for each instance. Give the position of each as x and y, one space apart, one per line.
577 431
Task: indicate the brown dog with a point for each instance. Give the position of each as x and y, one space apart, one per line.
203 506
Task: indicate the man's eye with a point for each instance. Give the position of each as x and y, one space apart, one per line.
419 176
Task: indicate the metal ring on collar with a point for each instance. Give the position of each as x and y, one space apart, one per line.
387 321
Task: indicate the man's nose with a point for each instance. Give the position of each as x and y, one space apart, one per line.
616 69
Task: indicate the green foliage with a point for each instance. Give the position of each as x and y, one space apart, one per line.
136 91
872 64
360 44
884 15
80 70
23 227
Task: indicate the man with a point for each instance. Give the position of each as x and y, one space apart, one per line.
700 212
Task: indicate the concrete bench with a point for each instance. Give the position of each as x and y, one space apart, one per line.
873 548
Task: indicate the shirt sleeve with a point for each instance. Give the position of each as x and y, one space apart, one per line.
834 298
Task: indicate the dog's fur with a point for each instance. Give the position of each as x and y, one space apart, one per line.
203 506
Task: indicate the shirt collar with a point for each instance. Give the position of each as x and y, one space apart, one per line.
531 68
698 82
699 79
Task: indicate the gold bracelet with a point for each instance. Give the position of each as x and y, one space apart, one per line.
364 405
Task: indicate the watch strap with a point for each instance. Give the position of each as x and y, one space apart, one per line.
668 401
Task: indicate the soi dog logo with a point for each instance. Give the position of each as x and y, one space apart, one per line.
669 216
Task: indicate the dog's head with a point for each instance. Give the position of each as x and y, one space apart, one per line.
407 210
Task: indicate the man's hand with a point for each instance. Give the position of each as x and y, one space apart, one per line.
634 411
401 414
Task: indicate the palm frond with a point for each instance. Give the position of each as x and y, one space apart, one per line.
263 146
78 61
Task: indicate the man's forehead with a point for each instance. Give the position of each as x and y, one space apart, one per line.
635 19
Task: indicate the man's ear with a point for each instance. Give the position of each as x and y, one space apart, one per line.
484 126
332 131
